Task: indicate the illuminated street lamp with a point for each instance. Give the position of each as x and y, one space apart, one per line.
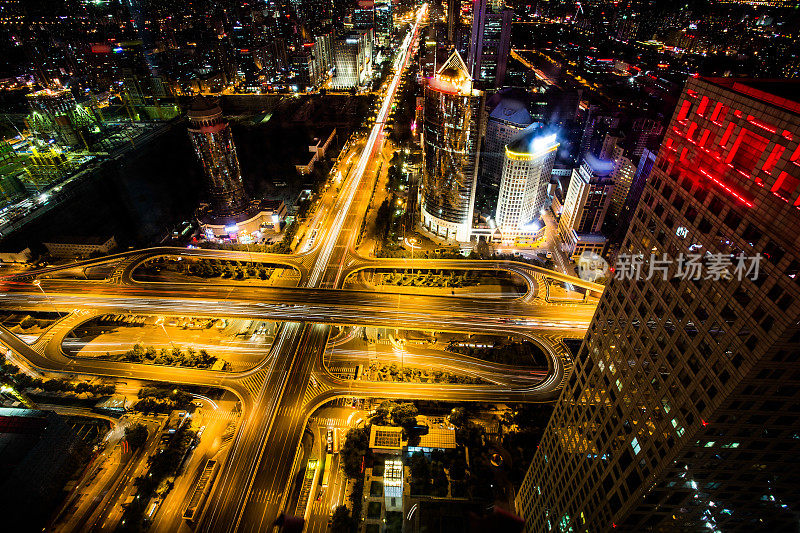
38 283
160 322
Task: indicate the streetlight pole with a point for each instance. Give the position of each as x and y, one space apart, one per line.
38 283
160 322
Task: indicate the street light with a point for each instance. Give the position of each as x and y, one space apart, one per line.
38 283
160 322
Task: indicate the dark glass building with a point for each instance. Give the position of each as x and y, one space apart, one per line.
213 143
453 114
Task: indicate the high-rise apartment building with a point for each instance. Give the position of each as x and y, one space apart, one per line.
213 144
451 139
527 164
681 412
586 204
490 44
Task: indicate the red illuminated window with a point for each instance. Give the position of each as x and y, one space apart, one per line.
746 151
701 109
727 134
776 153
795 155
692 129
786 186
761 124
717 109
704 138
684 112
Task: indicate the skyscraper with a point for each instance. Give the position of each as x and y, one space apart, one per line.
681 412
451 139
453 20
585 206
490 44
213 143
352 54
384 21
509 115
527 164
364 15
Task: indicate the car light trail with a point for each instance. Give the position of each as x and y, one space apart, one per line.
352 186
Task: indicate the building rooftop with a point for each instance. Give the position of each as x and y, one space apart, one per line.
512 110
441 438
386 437
777 92
92 240
533 140
599 167
203 106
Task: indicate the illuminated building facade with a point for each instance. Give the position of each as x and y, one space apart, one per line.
451 138
528 162
384 21
352 55
681 411
213 144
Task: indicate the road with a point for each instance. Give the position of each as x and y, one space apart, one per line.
290 381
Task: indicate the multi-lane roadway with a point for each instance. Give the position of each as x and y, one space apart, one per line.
280 393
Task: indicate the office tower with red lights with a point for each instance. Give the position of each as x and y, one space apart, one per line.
681 412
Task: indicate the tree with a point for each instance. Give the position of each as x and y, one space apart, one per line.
136 435
383 413
341 521
420 467
352 453
405 415
440 482
383 219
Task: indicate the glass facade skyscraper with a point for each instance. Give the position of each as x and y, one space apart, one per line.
681 412
213 144
490 44
453 113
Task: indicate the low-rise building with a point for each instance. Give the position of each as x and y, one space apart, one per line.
266 216
23 256
80 246
317 148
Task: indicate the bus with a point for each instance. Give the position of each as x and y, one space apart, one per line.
326 473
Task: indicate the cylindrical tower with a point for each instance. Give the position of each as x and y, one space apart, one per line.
527 165
452 129
214 146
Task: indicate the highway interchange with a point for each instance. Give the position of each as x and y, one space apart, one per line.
280 393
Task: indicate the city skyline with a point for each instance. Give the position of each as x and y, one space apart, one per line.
399 266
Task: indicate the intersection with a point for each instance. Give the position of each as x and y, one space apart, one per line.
280 393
